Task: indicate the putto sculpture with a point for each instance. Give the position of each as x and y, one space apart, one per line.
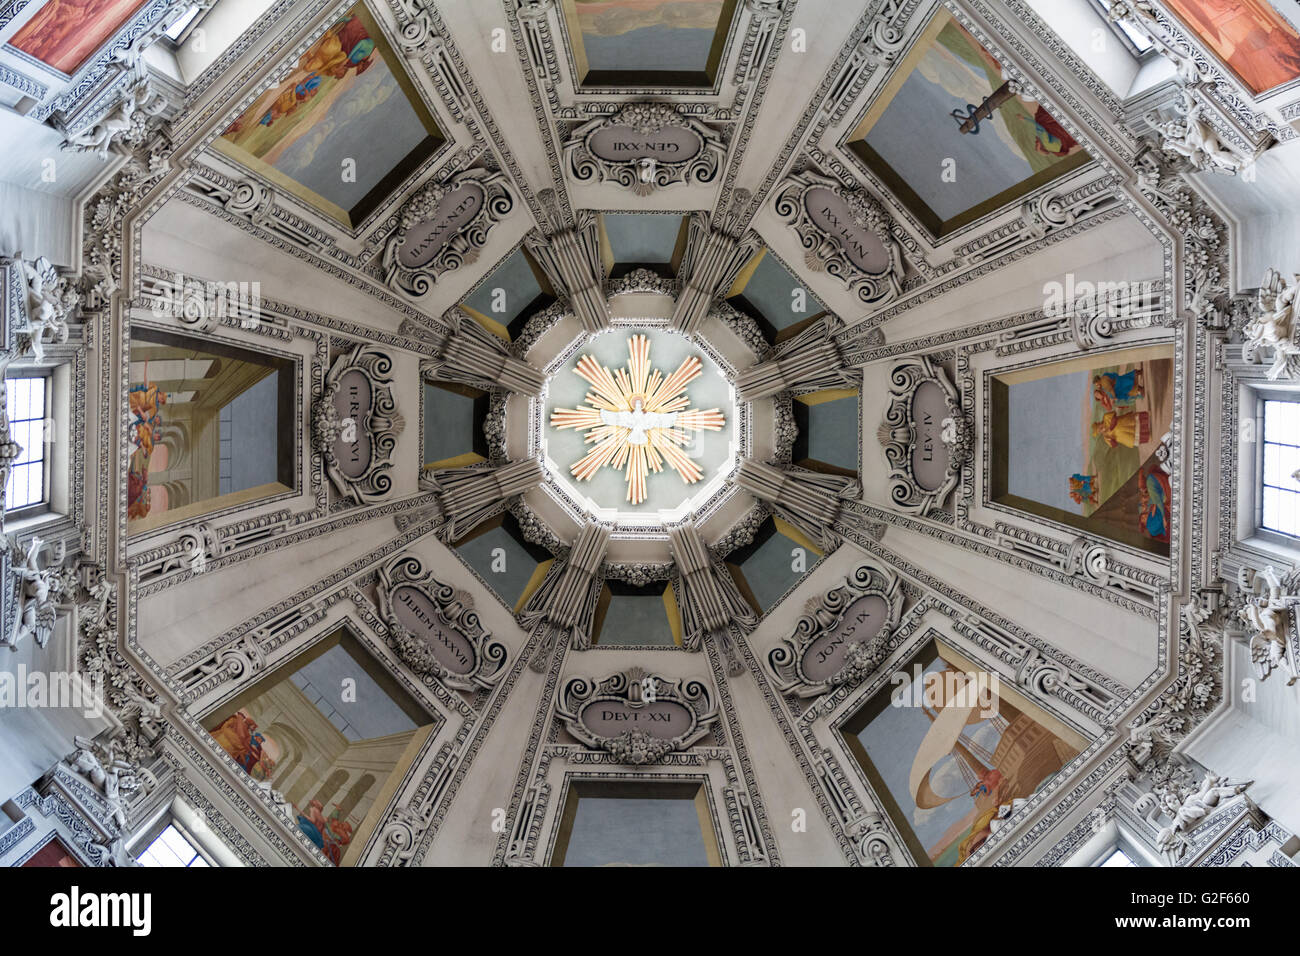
51 299
113 776
1192 137
1187 808
1266 611
1273 326
36 592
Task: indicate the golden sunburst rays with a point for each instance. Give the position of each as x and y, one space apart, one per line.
637 419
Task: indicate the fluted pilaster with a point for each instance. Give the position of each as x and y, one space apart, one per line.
808 500
810 361
474 356
711 602
469 495
565 603
572 262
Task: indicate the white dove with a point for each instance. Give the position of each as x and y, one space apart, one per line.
638 420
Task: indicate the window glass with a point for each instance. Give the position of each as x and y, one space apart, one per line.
170 848
1281 484
25 406
1141 42
175 31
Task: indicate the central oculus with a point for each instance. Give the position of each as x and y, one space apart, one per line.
645 413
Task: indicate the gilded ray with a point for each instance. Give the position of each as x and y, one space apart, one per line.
638 419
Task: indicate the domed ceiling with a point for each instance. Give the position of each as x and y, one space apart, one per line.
699 432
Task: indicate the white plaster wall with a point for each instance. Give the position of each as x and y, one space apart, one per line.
1114 641
1257 740
1121 250
1088 34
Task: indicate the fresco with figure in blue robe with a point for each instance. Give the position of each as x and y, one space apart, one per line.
339 123
1081 439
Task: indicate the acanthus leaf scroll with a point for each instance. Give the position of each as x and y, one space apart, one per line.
355 425
836 642
435 629
442 227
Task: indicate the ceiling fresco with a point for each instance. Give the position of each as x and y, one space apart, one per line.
330 758
64 35
1260 47
423 464
953 140
1084 441
948 765
344 129
648 42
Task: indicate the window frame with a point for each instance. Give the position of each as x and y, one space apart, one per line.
1254 390
43 506
1129 44
183 37
1262 401
1113 837
155 834
1245 386
1115 850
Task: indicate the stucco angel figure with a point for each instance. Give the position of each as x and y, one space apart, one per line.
1274 324
49 301
129 119
1188 807
113 776
1195 139
37 589
127 122
1266 612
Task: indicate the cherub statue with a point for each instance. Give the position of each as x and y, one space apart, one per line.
50 298
1190 806
1266 612
37 589
1274 324
1193 138
113 776
129 119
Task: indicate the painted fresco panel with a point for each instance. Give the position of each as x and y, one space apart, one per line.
327 734
1077 442
65 33
950 751
1249 36
340 127
952 140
